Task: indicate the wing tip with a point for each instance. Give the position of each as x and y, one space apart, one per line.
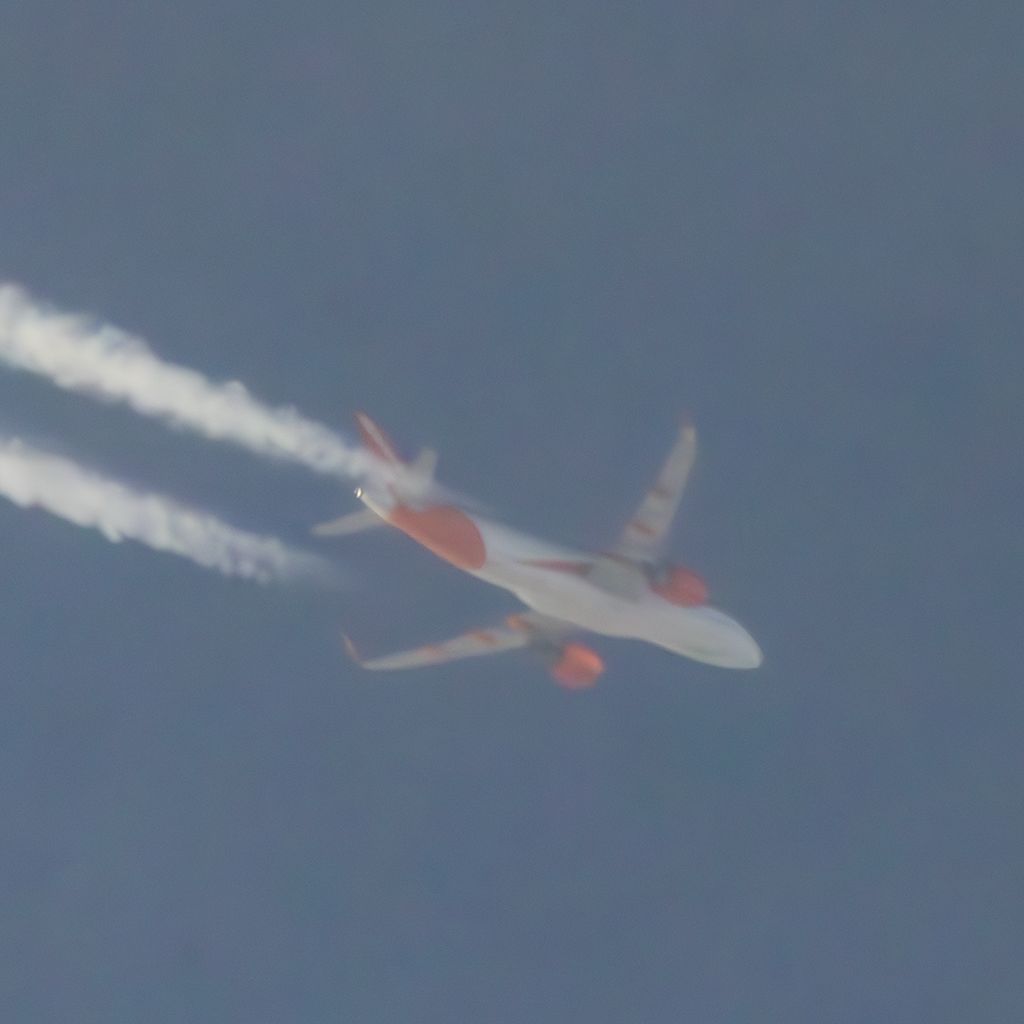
350 648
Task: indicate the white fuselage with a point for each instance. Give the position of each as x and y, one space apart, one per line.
622 604
598 594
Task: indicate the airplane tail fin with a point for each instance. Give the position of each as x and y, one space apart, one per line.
376 442
416 475
391 477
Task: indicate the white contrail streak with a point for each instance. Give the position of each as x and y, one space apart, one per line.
33 478
105 362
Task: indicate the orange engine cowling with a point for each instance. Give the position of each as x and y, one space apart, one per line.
680 585
577 667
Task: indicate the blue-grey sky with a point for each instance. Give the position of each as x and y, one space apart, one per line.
530 235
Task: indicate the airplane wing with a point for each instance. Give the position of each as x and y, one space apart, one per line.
520 631
469 645
645 534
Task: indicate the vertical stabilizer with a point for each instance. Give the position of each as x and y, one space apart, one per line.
377 442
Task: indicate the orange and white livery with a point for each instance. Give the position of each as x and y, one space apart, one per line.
627 591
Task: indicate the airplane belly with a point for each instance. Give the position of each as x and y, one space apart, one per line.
702 633
705 634
555 582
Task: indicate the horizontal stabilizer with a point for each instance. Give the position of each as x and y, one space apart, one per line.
354 522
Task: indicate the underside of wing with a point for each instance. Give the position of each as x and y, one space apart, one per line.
644 537
524 630
468 645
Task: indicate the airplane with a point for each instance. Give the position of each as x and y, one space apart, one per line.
630 590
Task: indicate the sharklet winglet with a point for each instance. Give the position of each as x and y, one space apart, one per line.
350 648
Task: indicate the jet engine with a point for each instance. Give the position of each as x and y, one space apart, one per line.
679 585
576 667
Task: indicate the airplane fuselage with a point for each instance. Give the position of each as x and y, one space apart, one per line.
600 594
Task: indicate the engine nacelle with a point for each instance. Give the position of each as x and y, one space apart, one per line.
577 667
679 585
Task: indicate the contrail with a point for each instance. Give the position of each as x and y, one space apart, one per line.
33 478
108 363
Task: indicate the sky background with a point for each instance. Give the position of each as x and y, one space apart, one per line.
530 235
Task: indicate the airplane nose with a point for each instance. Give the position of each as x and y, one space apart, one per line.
744 651
728 643
754 653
